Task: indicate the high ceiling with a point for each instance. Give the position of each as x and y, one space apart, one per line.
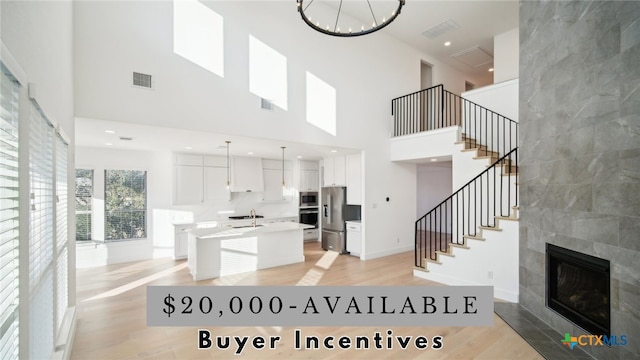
478 22
472 26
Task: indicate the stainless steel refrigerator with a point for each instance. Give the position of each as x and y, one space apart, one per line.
334 212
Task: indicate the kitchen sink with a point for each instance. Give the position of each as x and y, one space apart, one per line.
246 226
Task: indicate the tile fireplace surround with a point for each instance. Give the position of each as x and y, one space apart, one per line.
580 145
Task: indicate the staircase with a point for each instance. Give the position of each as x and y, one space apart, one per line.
460 240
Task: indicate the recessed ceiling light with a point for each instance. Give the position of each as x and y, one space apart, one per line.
250 153
299 157
334 151
490 69
110 131
448 43
434 159
188 147
108 144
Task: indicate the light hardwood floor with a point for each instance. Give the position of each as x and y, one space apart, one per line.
112 314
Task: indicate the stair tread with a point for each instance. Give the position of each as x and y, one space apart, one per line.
444 253
420 269
433 261
492 228
507 218
473 237
460 246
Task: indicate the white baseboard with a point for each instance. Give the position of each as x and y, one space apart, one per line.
377 254
498 293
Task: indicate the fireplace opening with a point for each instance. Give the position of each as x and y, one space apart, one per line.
578 288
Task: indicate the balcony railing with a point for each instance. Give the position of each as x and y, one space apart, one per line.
435 108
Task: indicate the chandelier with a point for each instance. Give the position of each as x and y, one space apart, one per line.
334 27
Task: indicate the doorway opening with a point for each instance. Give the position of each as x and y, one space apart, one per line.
426 75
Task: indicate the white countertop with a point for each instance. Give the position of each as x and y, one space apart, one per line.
231 233
212 223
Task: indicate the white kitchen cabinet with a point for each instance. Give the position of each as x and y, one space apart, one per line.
197 184
189 185
180 240
354 179
246 174
309 180
354 238
310 235
189 159
215 184
335 171
215 161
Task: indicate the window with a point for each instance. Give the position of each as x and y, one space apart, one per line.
9 210
125 204
41 235
62 234
84 196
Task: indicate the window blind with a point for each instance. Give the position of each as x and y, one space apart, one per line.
41 236
9 213
61 229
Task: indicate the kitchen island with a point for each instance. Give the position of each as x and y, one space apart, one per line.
220 251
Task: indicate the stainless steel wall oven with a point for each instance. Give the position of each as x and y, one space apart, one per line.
309 217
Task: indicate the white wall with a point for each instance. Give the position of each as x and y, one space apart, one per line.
506 52
366 72
501 98
434 184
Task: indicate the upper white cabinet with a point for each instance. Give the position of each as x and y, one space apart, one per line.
215 184
189 182
200 179
354 179
335 172
309 176
246 174
189 159
345 171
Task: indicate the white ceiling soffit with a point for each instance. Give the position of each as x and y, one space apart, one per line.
473 57
443 27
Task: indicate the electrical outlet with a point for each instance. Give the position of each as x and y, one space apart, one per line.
490 275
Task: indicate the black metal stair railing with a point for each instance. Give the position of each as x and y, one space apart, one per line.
436 108
491 193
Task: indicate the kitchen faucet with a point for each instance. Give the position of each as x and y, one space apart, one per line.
252 213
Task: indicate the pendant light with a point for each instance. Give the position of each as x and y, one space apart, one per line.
228 167
283 183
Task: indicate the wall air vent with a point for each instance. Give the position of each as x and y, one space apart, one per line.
440 29
126 138
142 80
474 57
266 104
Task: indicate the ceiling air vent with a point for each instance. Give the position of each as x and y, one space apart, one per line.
126 138
142 80
440 29
266 104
